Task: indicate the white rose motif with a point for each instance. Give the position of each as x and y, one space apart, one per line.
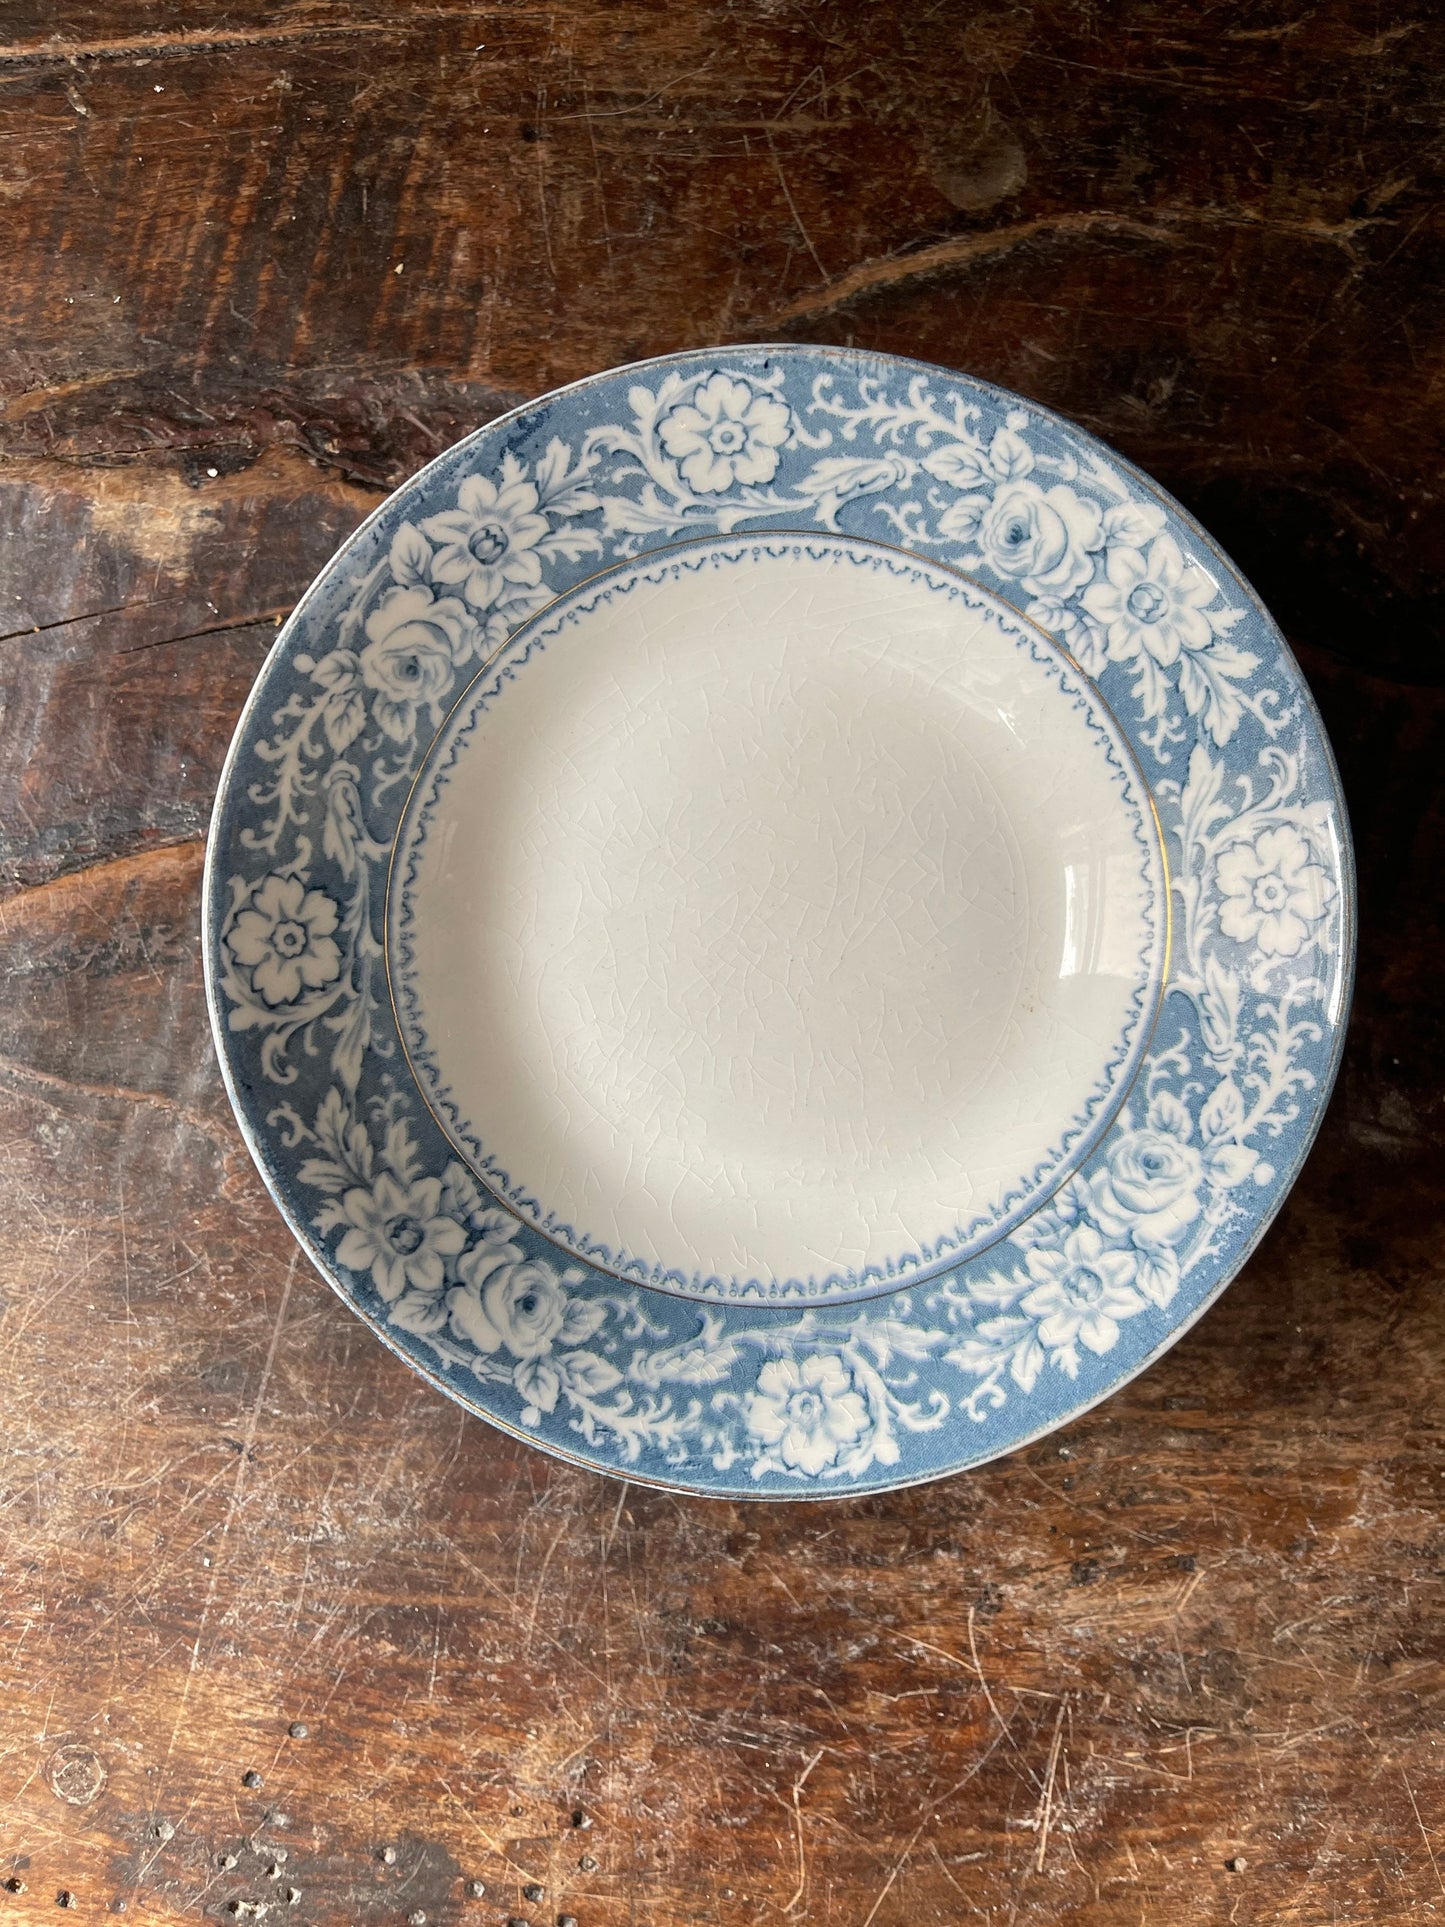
809 1412
1040 537
414 646
527 1305
284 938
1149 1189
1274 894
520 1303
1154 604
727 433
1083 1289
488 542
400 1234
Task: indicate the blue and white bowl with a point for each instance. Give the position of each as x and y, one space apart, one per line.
779 921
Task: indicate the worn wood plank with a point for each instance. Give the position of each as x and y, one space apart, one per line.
127 656
1214 236
1181 1662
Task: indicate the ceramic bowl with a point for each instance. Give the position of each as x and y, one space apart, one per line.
779 921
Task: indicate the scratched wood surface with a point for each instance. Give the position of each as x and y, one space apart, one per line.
282 1634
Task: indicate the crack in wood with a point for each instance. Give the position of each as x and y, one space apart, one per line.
180 44
1162 227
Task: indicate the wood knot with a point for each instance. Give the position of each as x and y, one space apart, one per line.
76 1774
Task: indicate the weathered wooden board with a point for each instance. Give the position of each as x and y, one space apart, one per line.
1180 1663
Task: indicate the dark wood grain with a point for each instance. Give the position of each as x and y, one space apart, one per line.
1181 1662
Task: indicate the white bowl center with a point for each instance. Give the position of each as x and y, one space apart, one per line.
779 916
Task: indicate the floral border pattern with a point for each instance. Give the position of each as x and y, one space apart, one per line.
746 1399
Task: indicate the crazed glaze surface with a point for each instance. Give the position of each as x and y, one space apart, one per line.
740 1398
782 918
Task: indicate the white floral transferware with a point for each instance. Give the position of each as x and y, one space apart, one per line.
1162 739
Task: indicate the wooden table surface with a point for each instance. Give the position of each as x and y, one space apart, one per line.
283 1634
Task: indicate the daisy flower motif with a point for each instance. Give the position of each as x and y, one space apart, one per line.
727 433
487 544
1154 603
1083 1289
284 938
1274 893
399 1233
808 1412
